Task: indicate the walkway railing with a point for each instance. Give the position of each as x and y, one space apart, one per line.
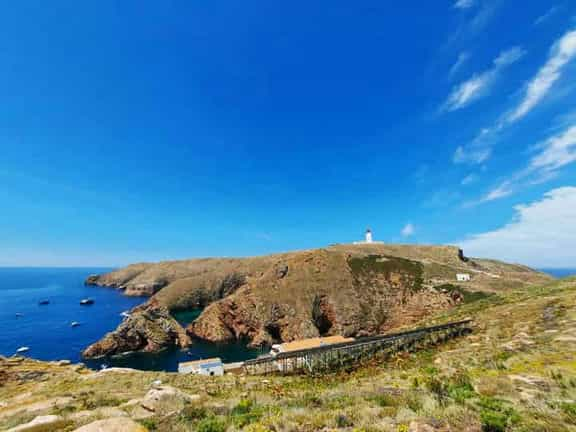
331 357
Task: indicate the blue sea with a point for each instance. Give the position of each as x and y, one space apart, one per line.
560 272
46 329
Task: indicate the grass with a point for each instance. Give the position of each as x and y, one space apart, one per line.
411 271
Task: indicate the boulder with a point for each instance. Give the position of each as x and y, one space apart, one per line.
166 400
118 424
46 423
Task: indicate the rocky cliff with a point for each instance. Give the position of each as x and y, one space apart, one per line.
150 328
353 290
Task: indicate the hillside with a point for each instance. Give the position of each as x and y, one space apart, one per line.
515 372
353 290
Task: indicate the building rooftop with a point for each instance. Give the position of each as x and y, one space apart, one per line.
313 343
210 362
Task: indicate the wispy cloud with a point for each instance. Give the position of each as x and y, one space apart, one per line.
478 150
563 52
542 233
479 85
464 4
469 179
463 57
408 230
547 15
554 153
472 24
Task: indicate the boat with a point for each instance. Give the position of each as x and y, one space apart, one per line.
74 324
43 302
86 301
125 314
19 315
22 349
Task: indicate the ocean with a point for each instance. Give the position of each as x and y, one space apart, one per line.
46 329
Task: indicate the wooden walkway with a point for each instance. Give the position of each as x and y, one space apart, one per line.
332 357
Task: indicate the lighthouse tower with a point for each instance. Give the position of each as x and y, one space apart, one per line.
368 236
368 239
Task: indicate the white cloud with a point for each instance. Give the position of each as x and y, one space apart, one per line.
545 16
463 57
464 4
562 52
478 150
557 151
501 191
408 230
541 234
552 154
478 85
469 179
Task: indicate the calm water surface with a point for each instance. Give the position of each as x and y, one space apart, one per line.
46 328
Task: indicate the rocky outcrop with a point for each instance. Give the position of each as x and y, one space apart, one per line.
353 290
150 328
116 424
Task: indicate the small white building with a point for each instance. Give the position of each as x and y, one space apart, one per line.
207 367
368 239
463 277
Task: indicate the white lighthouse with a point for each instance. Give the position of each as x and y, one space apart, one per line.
368 236
368 239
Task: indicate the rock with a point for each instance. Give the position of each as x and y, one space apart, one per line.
567 338
46 423
118 424
166 400
149 329
92 279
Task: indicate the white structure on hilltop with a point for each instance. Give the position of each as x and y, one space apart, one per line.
368 239
463 277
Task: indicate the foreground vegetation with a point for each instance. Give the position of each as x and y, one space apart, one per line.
516 372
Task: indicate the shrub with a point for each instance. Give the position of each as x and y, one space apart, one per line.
343 421
460 388
386 400
569 410
496 415
211 424
246 412
149 424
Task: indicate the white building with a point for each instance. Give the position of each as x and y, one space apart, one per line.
368 239
208 367
463 277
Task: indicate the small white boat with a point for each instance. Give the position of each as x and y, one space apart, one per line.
125 314
22 349
86 301
74 324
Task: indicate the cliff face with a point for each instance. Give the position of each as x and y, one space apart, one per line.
321 293
149 329
353 290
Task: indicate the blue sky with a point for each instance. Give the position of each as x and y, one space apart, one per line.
140 130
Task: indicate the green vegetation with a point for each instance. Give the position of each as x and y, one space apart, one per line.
467 296
411 272
211 424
